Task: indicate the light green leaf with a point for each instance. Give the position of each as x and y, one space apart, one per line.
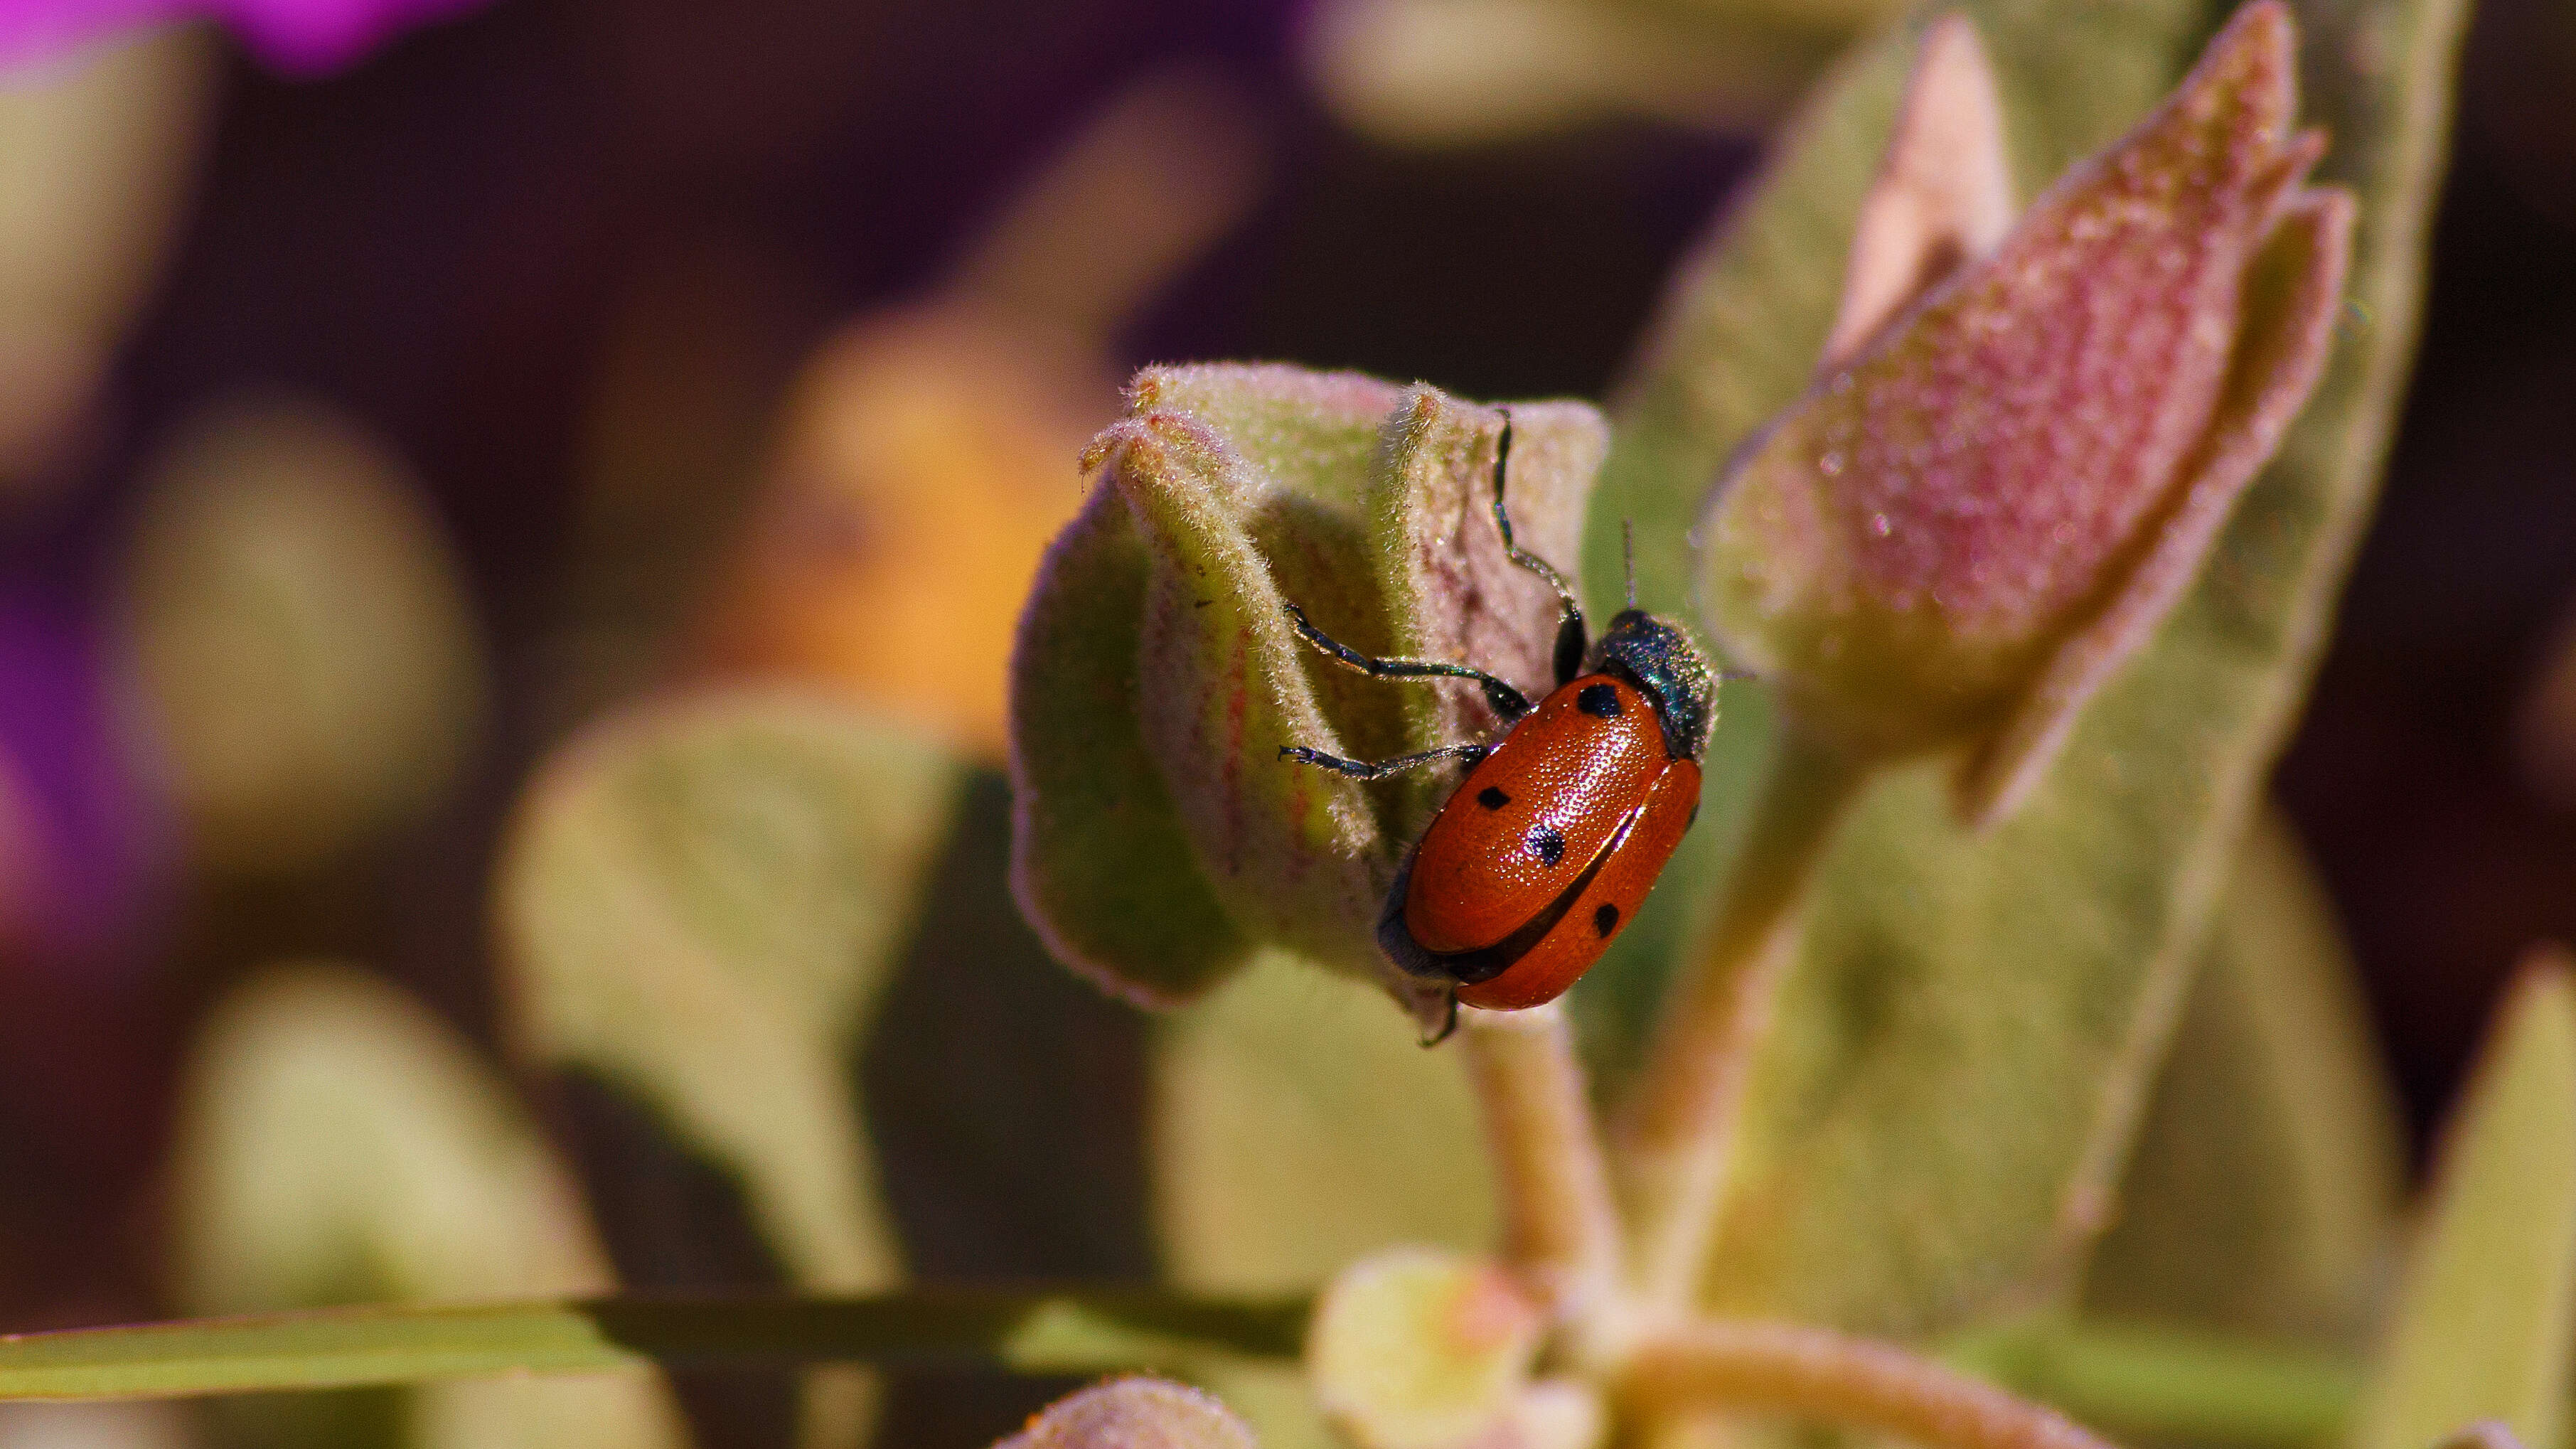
2485 1326
300 630
1296 1127
2157 1384
1099 861
1289 851
1276 1400
338 1144
699 902
2264 1190
1106 859
1044 1331
1967 1038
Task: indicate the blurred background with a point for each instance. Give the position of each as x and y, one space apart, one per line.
387 390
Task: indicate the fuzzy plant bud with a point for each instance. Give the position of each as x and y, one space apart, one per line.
1161 838
1421 1348
2022 442
1134 1413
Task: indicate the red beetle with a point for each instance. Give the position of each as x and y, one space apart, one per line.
1564 821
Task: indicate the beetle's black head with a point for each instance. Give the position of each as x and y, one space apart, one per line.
1668 669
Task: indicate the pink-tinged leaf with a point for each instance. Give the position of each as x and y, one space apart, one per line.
1134 1413
1449 587
1293 853
1907 549
2292 299
1314 442
1944 194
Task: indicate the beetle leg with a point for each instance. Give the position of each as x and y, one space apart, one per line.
1447 1026
1380 769
1570 634
1509 704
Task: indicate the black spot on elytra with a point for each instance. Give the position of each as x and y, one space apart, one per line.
1546 844
1492 799
1605 920
1598 700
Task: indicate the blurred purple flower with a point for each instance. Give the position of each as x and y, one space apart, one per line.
297 37
96 845
88 1039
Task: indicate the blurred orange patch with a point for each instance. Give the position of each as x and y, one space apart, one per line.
927 458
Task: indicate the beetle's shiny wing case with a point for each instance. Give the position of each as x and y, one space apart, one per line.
1604 903
1535 815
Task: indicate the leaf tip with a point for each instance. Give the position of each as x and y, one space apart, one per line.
1105 445
1943 195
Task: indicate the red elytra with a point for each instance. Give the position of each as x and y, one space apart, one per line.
1546 849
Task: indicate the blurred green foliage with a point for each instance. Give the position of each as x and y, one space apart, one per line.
2101 1057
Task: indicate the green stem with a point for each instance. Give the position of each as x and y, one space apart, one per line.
2172 1384
1560 1227
1059 1332
1677 1132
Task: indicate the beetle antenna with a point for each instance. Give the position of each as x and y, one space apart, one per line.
1628 556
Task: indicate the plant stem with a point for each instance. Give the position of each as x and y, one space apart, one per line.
1562 1229
1759 1367
1678 1131
1044 1332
